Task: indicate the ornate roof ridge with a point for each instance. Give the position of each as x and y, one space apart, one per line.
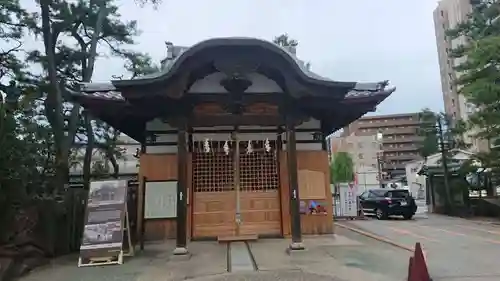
296 64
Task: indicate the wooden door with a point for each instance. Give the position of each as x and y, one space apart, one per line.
214 197
214 205
259 196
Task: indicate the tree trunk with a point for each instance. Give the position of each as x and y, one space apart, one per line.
53 102
87 160
116 168
87 77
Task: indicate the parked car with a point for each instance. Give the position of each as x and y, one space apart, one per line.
388 202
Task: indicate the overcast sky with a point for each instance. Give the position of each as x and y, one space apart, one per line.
350 40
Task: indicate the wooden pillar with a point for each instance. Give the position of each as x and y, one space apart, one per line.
291 151
143 180
236 178
182 156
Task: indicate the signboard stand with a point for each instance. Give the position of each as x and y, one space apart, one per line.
130 252
127 251
107 223
98 261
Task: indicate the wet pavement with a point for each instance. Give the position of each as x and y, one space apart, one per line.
456 249
343 257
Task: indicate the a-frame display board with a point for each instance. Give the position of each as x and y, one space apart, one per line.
106 235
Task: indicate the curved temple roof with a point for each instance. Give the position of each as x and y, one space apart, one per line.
171 68
100 97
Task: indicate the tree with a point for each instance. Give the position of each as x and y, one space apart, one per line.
342 168
25 162
23 147
12 21
72 33
284 40
478 76
478 71
440 136
436 129
38 127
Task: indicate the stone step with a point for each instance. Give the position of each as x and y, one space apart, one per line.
240 258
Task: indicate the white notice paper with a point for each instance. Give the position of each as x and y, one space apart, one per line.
348 200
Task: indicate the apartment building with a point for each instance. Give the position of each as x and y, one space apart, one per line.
447 15
363 151
400 141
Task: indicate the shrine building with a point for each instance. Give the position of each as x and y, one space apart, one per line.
239 124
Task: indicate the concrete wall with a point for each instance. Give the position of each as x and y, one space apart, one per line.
416 183
367 177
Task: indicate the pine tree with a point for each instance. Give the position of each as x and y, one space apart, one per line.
439 136
479 74
72 32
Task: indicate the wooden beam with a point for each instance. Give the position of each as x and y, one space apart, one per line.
182 155
233 120
291 150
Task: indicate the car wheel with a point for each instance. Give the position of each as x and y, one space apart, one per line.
408 216
380 214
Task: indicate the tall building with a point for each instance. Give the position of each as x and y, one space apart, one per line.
364 151
400 141
448 15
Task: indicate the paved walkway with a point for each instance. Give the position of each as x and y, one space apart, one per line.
341 257
456 249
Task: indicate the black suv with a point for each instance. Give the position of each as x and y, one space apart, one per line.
388 202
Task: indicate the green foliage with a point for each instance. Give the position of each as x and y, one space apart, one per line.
479 75
39 127
342 168
479 71
427 130
284 40
13 19
72 32
436 128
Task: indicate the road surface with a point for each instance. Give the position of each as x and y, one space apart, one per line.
456 249
346 256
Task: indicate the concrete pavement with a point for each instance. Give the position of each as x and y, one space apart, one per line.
342 257
456 249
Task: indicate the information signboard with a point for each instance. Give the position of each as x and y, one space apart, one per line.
161 199
104 223
348 200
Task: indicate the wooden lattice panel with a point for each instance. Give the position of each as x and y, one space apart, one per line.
258 169
212 171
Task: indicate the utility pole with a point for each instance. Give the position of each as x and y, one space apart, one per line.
444 159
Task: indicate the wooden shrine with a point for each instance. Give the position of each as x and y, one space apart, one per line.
235 128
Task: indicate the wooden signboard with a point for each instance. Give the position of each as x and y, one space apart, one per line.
106 225
312 184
